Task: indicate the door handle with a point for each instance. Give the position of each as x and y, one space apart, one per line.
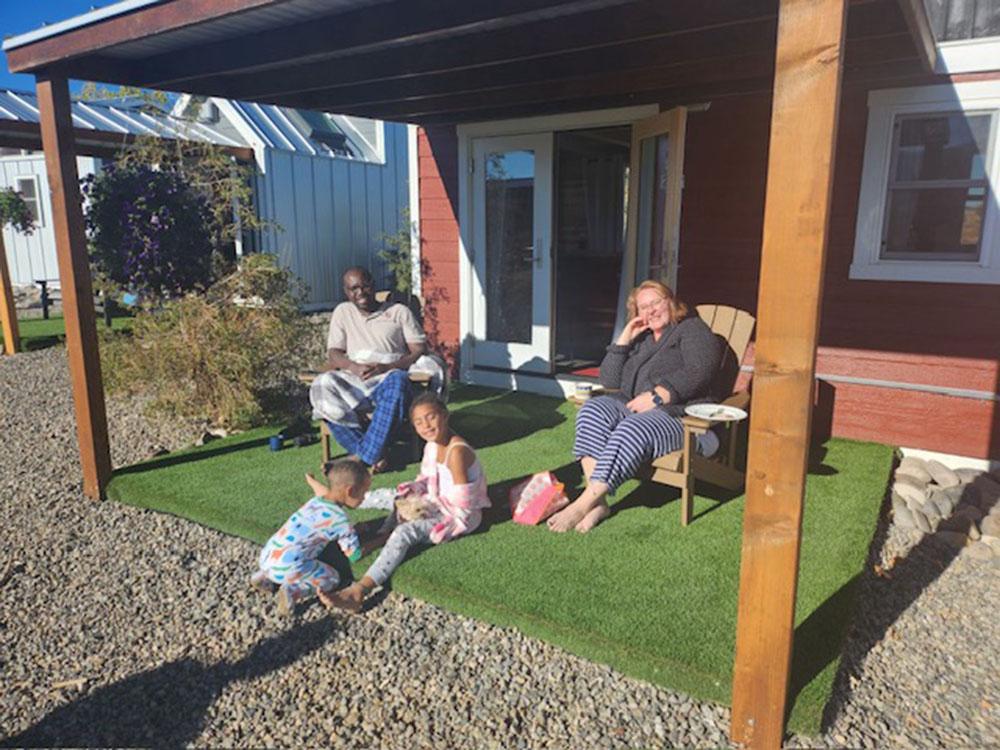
531 257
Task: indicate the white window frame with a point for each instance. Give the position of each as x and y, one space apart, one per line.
37 200
374 153
883 107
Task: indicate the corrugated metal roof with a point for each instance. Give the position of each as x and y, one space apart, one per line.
275 127
23 107
297 130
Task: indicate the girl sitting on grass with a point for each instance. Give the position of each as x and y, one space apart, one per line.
452 488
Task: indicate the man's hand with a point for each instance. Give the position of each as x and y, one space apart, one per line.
373 369
359 369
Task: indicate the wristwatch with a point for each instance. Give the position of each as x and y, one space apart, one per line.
657 399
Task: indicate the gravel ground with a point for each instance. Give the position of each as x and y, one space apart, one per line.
125 627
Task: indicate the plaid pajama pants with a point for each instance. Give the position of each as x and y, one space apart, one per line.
391 399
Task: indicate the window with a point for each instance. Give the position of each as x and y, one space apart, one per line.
28 188
367 137
928 205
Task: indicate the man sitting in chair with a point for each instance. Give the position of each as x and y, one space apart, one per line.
371 350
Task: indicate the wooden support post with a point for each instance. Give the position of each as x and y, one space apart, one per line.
796 216
77 291
8 312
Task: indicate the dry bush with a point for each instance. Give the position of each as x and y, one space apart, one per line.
229 356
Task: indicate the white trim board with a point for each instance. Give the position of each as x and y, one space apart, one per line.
413 184
598 118
968 56
883 107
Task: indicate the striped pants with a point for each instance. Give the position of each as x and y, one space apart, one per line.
622 441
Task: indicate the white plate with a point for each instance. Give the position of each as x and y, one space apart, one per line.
715 412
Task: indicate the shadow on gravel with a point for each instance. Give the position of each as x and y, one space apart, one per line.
166 706
883 597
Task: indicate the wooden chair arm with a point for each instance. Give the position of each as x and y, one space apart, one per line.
308 376
740 400
696 425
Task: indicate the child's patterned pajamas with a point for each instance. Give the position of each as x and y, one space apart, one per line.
289 557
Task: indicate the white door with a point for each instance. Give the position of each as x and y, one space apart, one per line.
656 178
654 197
512 237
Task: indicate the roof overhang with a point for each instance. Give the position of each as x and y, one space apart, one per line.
456 60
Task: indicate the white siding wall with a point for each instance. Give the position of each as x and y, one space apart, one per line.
34 257
333 212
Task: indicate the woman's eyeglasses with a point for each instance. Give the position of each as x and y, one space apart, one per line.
651 306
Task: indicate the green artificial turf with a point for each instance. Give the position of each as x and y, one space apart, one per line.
39 333
640 593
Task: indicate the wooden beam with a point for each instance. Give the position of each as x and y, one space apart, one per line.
666 98
689 48
101 143
808 64
691 74
365 29
598 29
915 14
613 31
8 311
77 291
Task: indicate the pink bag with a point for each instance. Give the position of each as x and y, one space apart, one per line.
537 498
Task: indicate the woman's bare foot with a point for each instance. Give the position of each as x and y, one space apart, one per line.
594 516
568 517
349 599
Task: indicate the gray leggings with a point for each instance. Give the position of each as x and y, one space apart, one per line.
403 537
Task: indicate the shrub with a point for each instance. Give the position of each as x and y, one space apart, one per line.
149 232
398 256
14 211
229 356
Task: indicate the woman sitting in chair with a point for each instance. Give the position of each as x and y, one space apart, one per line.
663 360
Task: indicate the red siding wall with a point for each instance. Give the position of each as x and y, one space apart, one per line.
933 334
437 151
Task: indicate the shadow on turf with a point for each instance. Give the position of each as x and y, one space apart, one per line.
505 418
173 459
166 706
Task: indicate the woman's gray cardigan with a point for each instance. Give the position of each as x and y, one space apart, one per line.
685 361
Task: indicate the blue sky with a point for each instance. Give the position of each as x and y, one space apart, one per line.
20 16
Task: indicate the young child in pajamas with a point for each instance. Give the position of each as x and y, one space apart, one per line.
452 485
289 561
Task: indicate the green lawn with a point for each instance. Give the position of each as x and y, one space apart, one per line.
640 593
38 333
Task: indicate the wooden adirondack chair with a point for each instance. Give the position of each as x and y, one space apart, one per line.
683 467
